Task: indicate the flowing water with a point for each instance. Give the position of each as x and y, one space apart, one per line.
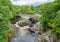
30 33
24 35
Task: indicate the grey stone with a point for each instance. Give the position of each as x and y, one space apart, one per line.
24 23
33 19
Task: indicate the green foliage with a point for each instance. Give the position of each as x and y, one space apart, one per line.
57 0
5 15
7 12
27 10
51 16
4 29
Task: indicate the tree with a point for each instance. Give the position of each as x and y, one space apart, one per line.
50 16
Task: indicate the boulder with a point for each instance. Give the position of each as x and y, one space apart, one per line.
15 19
47 37
18 17
24 30
35 27
24 23
34 19
12 33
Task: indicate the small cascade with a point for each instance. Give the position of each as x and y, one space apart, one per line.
30 30
27 31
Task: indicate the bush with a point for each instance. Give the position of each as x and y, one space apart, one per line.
51 16
8 12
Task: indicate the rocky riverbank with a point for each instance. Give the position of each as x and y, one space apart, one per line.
27 28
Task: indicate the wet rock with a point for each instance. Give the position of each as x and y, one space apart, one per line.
57 36
26 16
24 30
31 25
35 27
15 19
18 17
47 37
24 23
33 19
12 33
31 31
43 38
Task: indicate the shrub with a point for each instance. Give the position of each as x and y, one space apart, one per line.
7 12
51 16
